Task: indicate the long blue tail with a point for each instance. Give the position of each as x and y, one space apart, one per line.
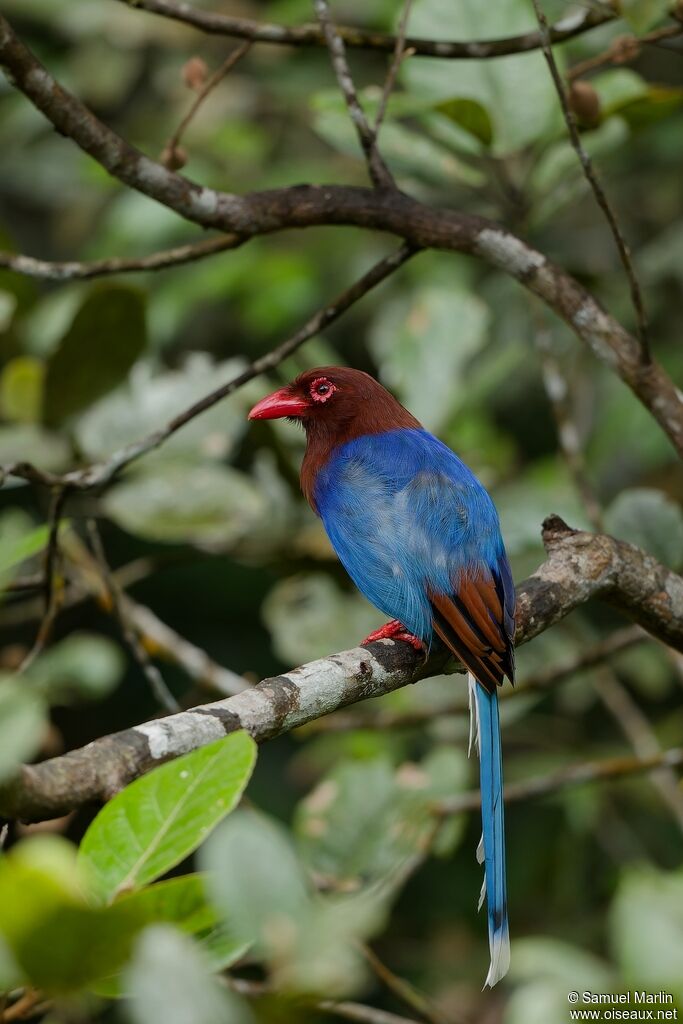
493 829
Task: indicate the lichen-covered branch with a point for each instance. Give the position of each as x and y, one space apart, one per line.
216 23
580 566
75 270
387 210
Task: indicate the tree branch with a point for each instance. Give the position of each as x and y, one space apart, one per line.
384 210
72 270
580 566
312 35
380 174
574 775
594 182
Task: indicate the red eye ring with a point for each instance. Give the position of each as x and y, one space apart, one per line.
322 389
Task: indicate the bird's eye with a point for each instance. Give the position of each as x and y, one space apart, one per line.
322 389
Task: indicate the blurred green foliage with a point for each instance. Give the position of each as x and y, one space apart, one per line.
210 530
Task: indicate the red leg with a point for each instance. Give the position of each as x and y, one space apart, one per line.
394 630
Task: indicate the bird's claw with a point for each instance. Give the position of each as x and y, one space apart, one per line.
394 630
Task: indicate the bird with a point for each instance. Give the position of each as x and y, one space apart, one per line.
420 537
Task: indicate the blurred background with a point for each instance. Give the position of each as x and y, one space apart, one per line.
209 535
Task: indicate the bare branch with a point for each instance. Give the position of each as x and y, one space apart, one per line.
575 775
594 182
623 50
580 566
380 209
51 592
360 1012
170 156
159 689
379 172
400 53
404 990
642 737
71 270
558 392
312 34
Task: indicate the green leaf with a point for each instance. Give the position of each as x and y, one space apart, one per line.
516 92
22 724
169 981
256 880
59 942
149 398
471 116
650 520
181 902
21 389
423 342
408 153
19 540
158 820
181 502
28 442
309 615
82 665
106 337
365 820
642 15
646 925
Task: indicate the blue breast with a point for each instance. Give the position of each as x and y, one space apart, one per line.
406 516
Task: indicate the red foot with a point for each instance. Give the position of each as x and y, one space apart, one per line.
394 630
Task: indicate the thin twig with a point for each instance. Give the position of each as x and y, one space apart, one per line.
642 737
71 270
312 35
171 147
379 172
594 182
403 990
52 595
157 685
574 775
348 1011
100 474
557 390
360 1012
622 50
400 53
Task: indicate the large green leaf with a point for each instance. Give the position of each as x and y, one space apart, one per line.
309 615
21 389
183 502
256 879
106 337
646 924
83 665
158 820
516 92
19 540
423 342
149 399
365 819
22 724
181 902
59 942
169 981
650 520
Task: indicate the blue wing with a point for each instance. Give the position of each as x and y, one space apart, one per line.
407 518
